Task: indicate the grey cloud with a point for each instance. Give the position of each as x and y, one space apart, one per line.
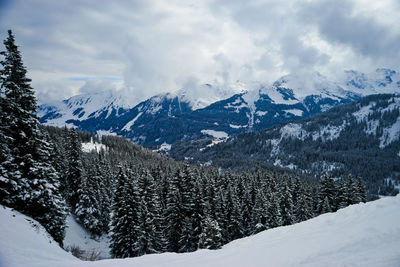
157 46
300 55
336 22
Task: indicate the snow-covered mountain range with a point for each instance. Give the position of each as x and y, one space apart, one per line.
167 118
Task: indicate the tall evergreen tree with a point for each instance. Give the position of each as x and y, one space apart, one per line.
124 233
303 209
88 209
150 238
210 236
361 190
33 187
274 212
259 214
287 208
192 211
174 212
76 172
327 192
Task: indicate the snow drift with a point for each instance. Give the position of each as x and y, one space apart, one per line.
359 235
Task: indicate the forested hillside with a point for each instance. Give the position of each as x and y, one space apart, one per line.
160 205
361 138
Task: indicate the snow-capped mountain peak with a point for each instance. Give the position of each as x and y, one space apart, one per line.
380 81
234 108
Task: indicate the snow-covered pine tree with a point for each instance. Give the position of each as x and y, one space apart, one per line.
9 173
35 186
192 211
76 172
352 191
259 213
210 236
325 207
149 228
361 190
88 209
174 211
286 204
303 209
327 191
274 212
233 214
124 221
342 196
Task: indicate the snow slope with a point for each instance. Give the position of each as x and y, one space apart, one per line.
359 235
24 242
77 236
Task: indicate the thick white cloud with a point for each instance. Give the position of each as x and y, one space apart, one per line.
153 46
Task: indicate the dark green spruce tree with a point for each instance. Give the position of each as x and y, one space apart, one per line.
29 183
124 232
149 228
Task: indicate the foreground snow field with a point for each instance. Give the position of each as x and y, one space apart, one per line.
360 235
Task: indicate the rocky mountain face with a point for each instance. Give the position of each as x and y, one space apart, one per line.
165 119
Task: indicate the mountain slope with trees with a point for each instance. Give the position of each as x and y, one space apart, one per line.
361 138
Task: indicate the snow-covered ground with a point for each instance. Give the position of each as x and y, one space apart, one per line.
24 242
93 146
164 147
359 235
77 236
215 134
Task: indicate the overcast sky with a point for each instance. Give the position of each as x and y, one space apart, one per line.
150 46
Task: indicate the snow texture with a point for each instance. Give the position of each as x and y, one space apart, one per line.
216 134
237 126
296 112
128 126
359 235
390 134
164 147
93 146
24 242
76 235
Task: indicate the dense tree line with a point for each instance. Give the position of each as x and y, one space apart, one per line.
146 202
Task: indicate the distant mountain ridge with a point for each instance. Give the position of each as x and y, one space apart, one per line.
362 138
167 118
